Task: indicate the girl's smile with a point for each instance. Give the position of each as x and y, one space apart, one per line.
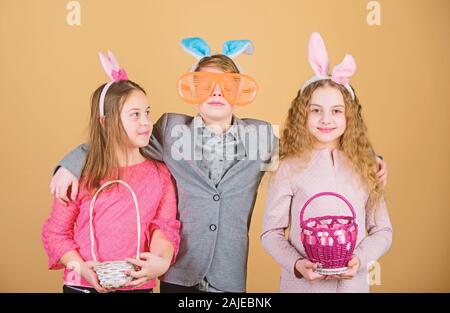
325 130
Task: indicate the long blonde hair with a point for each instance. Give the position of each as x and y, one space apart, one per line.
108 137
296 140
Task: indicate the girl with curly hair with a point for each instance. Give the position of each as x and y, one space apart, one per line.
325 148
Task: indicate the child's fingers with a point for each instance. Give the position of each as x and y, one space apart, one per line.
352 262
58 197
52 188
379 161
65 199
353 270
348 275
138 282
136 262
99 288
330 277
383 166
137 274
310 265
74 192
63 191
61 195
316 279
145 256
91 264
343 277
313 276
93 279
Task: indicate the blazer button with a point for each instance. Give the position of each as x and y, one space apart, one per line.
216 197
212 227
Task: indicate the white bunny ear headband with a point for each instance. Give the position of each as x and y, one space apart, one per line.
199 48
318 58
115 73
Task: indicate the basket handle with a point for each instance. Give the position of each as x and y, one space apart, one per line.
138 217
327 193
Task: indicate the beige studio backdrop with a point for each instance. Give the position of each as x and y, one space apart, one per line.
48 69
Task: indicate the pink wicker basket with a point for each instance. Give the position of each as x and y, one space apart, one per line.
329 240
112 274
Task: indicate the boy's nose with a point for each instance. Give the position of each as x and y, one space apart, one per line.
217 92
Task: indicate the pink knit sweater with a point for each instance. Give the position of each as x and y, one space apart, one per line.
290 187
114 223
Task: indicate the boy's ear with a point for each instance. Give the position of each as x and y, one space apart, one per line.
233 48
196 46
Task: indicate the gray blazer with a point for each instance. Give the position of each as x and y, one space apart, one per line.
215 220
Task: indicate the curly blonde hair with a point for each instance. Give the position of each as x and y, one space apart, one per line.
296 140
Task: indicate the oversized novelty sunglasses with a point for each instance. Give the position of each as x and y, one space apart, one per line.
237 89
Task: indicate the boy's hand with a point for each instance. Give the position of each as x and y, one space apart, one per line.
61 182
151 266
353 265
307 270
382 171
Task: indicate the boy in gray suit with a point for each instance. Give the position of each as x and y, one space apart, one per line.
217 161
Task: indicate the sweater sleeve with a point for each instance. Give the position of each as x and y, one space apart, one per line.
58 232
74 161
276 220
166 215
379 235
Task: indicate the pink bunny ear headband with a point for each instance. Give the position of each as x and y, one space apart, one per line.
318 58
115 73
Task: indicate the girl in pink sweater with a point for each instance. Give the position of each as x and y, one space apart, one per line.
120 125
324 147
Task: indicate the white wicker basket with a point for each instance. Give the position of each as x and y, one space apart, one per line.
111 274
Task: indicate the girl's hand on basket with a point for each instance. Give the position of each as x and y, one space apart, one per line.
353 265
151 266
74 262
88 273
307 270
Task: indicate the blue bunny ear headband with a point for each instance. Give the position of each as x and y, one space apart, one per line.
199 48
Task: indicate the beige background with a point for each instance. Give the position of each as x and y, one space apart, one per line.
49 69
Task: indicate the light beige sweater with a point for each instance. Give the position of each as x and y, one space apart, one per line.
290 187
